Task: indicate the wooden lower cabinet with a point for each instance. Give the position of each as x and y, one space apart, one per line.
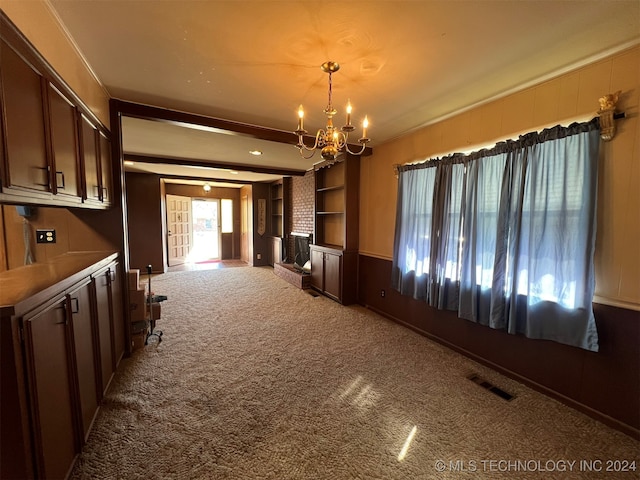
116 279
317 268
59 348
51 384
84 335
334 273
106 354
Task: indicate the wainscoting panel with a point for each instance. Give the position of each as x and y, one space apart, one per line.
605 385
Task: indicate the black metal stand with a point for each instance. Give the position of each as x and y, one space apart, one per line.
152 323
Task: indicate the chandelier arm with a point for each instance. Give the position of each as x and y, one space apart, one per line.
341 139
301 145
364 146
313 152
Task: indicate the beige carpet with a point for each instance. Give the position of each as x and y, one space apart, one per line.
256 379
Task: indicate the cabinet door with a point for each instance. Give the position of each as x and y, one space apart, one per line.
106 184
26 147
88 140
117 312
64 140
51 390
85 355
317 269
332 275
105 328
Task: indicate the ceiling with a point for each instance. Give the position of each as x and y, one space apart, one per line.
403 63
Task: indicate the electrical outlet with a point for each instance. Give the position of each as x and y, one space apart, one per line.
259 256
46 235
382 293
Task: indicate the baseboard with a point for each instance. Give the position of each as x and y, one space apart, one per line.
595 414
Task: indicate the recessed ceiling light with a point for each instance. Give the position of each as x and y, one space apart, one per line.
129 162
233 172
255 152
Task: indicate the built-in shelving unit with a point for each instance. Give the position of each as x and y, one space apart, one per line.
278 218
277 209
335 251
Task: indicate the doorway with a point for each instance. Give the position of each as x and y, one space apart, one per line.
206 231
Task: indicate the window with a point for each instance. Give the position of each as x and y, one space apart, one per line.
226 206
505 236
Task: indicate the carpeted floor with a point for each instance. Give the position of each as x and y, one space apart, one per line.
255 379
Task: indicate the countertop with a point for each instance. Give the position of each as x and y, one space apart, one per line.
20 284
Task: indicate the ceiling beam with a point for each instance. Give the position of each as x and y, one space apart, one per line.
212 124
188 162
203 179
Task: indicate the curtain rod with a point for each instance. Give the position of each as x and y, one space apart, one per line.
606 115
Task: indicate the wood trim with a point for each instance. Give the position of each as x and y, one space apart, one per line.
206 179
48 135
5 181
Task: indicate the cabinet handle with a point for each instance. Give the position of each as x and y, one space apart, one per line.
112 275
63 306
75 305
105 193
48 184
61 176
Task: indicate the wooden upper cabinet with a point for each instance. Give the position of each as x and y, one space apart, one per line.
64 140
104 147
89 149
26 161
51 146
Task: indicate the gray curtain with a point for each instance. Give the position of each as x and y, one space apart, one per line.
412 246
509 235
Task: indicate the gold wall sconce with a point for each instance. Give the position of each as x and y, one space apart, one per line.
608 115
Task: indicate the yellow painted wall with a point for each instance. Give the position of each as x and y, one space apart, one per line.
566 98
37 22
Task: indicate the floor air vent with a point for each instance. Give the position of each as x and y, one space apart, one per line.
313 293
489 386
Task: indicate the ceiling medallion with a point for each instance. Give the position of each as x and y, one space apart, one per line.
331 140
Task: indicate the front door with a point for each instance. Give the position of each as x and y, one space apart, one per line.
178 228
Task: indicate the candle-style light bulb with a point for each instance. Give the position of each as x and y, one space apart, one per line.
300 118
348 112
365 125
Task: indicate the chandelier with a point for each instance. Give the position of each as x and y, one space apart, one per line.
331 140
